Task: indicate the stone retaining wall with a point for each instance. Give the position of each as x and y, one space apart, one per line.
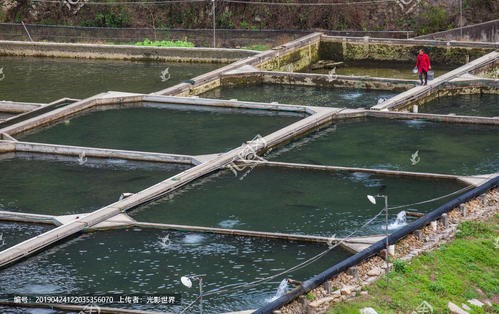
347 285
375 50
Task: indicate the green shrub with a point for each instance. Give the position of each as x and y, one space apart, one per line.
399 266
310 296
165 43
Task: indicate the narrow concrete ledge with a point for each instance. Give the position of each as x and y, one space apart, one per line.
28 217
18 107
352 169
122 52
478 179
243 69
447 118
118 221
75 151
233 104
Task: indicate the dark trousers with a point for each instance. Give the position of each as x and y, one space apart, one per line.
423 75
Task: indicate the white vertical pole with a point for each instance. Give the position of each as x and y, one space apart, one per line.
461 17
387 251
214 22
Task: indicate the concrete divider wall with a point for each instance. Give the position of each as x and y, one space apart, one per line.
122 52
375 50
321 80
295 60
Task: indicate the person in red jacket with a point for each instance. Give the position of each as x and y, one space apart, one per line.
423 65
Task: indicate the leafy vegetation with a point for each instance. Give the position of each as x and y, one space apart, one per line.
434 19
165 43
458 271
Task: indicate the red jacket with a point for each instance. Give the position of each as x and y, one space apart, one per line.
423 63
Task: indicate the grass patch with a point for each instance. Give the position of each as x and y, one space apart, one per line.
463 269
165 43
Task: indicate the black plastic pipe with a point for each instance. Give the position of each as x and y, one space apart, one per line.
353 260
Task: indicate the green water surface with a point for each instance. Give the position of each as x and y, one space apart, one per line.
301 95
292 201
390 144
60 186
31 79
13 233
382 69
486 105
158 129
135 261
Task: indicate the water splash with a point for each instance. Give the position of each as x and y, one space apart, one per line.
165 241
193 239
281 290
229 223
381 100
332 75
124 195
82 159
417 124
399 222
350 96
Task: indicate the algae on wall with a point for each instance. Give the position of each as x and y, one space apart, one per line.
295 60
374 52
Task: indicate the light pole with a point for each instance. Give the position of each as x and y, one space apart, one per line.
214 21
461 17
187 281
372 199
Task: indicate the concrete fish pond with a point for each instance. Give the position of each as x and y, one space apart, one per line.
409 145
44 184
301 95
31 79
150 183
292 201
486 105
379 69
151 262
163 128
